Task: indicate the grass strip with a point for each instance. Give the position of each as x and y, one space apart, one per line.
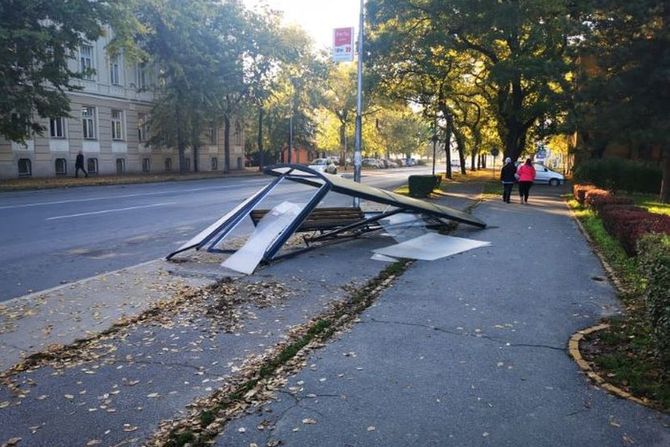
624 353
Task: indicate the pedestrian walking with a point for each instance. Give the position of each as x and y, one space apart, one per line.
508 178
526 174
79 164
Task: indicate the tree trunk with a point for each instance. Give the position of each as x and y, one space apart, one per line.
460 144
447 146
261 155
226 144
472 161
665 183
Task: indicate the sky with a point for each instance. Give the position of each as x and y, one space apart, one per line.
317 17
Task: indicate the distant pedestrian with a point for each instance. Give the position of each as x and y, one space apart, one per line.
526 173
79 164
508 178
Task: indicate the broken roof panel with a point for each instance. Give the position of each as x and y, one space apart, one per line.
348 187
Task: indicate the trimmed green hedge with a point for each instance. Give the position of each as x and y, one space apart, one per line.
654 261
422 185
620 175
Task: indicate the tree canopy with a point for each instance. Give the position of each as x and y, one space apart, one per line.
37 42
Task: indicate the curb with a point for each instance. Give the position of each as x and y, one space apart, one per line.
573 348
573 343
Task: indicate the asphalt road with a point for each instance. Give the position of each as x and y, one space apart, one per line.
52 237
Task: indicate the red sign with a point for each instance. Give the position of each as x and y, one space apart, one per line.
343 44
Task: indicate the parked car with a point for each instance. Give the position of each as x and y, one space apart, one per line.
546 175
371 163
390 163
411 162
323 165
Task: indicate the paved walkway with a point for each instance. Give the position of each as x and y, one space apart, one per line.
464 351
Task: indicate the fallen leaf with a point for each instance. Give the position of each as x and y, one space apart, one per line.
12 442
94 442
4 404
152 395
242 430
68 396
309 421
371 428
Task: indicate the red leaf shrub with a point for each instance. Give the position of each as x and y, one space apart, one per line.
629 223
578 190
597 198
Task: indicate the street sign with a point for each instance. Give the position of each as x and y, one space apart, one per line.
343 44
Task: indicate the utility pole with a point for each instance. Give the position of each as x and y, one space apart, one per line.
359 102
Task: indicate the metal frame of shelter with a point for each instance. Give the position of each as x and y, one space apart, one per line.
210 237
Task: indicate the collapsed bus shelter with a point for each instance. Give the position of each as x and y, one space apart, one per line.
274 227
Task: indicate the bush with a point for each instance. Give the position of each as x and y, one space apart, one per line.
654 262
578 190
629 224
620 175
596 198
422 185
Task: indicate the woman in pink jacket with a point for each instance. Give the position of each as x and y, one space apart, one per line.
526 173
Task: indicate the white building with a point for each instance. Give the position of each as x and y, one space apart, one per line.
107 124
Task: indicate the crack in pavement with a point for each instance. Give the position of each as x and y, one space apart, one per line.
467 334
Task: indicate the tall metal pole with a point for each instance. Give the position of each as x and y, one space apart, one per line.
359 102
290 136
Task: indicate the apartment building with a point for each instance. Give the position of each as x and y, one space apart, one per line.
107 123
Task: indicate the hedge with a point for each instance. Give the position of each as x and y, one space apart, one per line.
654 262
629 224
597 198
578 190
422 185
625 222
620 175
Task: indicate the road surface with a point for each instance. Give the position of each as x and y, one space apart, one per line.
52 237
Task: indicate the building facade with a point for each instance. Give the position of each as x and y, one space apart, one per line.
107 123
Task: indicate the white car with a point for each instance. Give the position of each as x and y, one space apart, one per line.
323 165
546 175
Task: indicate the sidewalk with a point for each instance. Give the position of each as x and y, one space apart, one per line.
468 350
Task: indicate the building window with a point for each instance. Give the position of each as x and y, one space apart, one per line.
168 164
146 165
237 136
187 164
211 134
92 165
25 167
86 61
120 166
57 127
215 163
61 166
141 74
88 122
142 128
117 125
115 70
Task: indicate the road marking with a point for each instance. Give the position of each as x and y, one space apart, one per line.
123 196
115 210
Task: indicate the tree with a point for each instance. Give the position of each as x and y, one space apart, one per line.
624 83
37 42
517 51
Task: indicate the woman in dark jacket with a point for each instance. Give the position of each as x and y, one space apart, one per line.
507 177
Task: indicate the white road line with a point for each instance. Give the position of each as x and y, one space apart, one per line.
124 196
116 210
